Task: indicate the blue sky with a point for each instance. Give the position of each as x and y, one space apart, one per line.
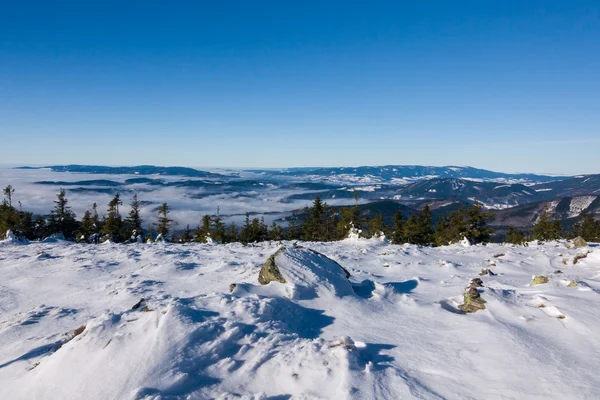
504 85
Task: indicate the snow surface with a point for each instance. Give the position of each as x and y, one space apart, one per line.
393 332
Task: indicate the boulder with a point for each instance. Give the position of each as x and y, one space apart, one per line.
306 271
572 284
538 280
486 271
579 242
270 271
472 301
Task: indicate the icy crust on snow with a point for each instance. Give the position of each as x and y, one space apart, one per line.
393 331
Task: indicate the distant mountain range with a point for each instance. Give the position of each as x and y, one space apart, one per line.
516 199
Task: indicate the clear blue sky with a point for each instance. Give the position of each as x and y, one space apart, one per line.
504 85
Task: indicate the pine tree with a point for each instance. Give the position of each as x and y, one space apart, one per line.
417 230
398 228
246 233
113 223
8 193
232 233
203 231
350 218
164 222
275 232
62 218
134 219
187 235
515 236
377 225
314 227
545 229
219 230
87 227
9 216
587 227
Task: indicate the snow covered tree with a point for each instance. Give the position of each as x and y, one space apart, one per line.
203 231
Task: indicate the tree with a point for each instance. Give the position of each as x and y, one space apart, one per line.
398 228
587 227
545 229
515 236
469 223
377 225
314 227
417 230
219 230
275 232
113 224
187 235
349 218
8 193
62 218
164 222
9 216
203 231
134 219
87 227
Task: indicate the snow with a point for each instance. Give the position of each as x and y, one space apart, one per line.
578 204
392 332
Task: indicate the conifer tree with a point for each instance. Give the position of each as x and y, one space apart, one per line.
515 236
398 228
587 227
8 193
203 231
219 230
314 227
187 234
545 229
113 223
164 223
417 230
275 232
232 233
62 218
377 225
349 218
134 219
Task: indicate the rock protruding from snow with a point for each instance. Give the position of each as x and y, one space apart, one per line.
538 280
307 271
472 299
579 242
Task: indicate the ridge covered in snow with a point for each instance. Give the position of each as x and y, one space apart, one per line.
192 321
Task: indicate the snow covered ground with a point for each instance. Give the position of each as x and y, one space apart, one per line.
68 330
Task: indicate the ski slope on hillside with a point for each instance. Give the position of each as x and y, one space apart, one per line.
159 321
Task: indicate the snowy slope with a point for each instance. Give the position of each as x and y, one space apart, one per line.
193 338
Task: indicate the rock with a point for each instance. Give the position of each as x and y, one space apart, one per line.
476 282
572 284
558 271
307 272
386 265
538 280
579 257
472 301
138 304
269 271
232 286
579 242
486 271
498 255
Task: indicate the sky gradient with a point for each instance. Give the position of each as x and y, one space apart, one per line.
508 85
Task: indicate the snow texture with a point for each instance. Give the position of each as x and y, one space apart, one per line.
158 321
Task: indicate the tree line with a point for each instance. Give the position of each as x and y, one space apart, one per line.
319 222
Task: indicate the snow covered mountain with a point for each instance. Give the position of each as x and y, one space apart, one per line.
166 321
